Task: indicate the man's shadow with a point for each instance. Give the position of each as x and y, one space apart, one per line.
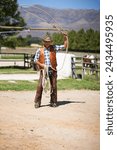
68 102
65 102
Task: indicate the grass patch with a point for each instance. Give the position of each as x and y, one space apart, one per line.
89 83
17 85
13 70
12 57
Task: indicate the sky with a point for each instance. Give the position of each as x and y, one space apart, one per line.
74 4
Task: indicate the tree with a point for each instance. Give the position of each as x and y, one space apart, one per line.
72 39
80 39
9 16
57 38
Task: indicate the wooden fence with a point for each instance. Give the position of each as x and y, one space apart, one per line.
15 59
80 68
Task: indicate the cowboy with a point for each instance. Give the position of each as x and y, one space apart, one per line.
46 57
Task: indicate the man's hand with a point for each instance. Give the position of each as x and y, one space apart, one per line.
65 39
43 66
64 33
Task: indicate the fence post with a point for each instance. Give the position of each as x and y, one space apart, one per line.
73 67
96 68
24 60
83 69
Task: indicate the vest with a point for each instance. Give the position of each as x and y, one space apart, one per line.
52 57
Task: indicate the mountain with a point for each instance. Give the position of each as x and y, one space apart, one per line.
45 17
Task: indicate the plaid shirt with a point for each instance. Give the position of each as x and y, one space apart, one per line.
47 54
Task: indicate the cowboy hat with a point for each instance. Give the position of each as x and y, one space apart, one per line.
47 39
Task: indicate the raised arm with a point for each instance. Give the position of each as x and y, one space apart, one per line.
65 40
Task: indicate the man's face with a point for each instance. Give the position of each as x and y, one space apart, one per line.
47 43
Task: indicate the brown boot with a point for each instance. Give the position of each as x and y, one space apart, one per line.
37 105
53 104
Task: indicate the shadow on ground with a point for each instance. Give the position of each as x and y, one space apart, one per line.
60 103
68 102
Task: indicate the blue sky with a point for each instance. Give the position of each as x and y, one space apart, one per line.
75 4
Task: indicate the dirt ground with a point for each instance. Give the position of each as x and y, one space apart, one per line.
73 125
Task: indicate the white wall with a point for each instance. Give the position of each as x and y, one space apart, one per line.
64 65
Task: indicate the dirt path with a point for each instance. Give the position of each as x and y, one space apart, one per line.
74 125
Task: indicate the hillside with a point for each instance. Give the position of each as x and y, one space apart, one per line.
45 17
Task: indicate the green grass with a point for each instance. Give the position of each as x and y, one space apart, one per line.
12 57
12 70
89 83
17 86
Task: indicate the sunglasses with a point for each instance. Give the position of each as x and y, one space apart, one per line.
47 41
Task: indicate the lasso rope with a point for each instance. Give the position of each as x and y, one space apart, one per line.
45 80
53 19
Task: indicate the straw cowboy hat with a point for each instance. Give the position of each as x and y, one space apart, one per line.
47 39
